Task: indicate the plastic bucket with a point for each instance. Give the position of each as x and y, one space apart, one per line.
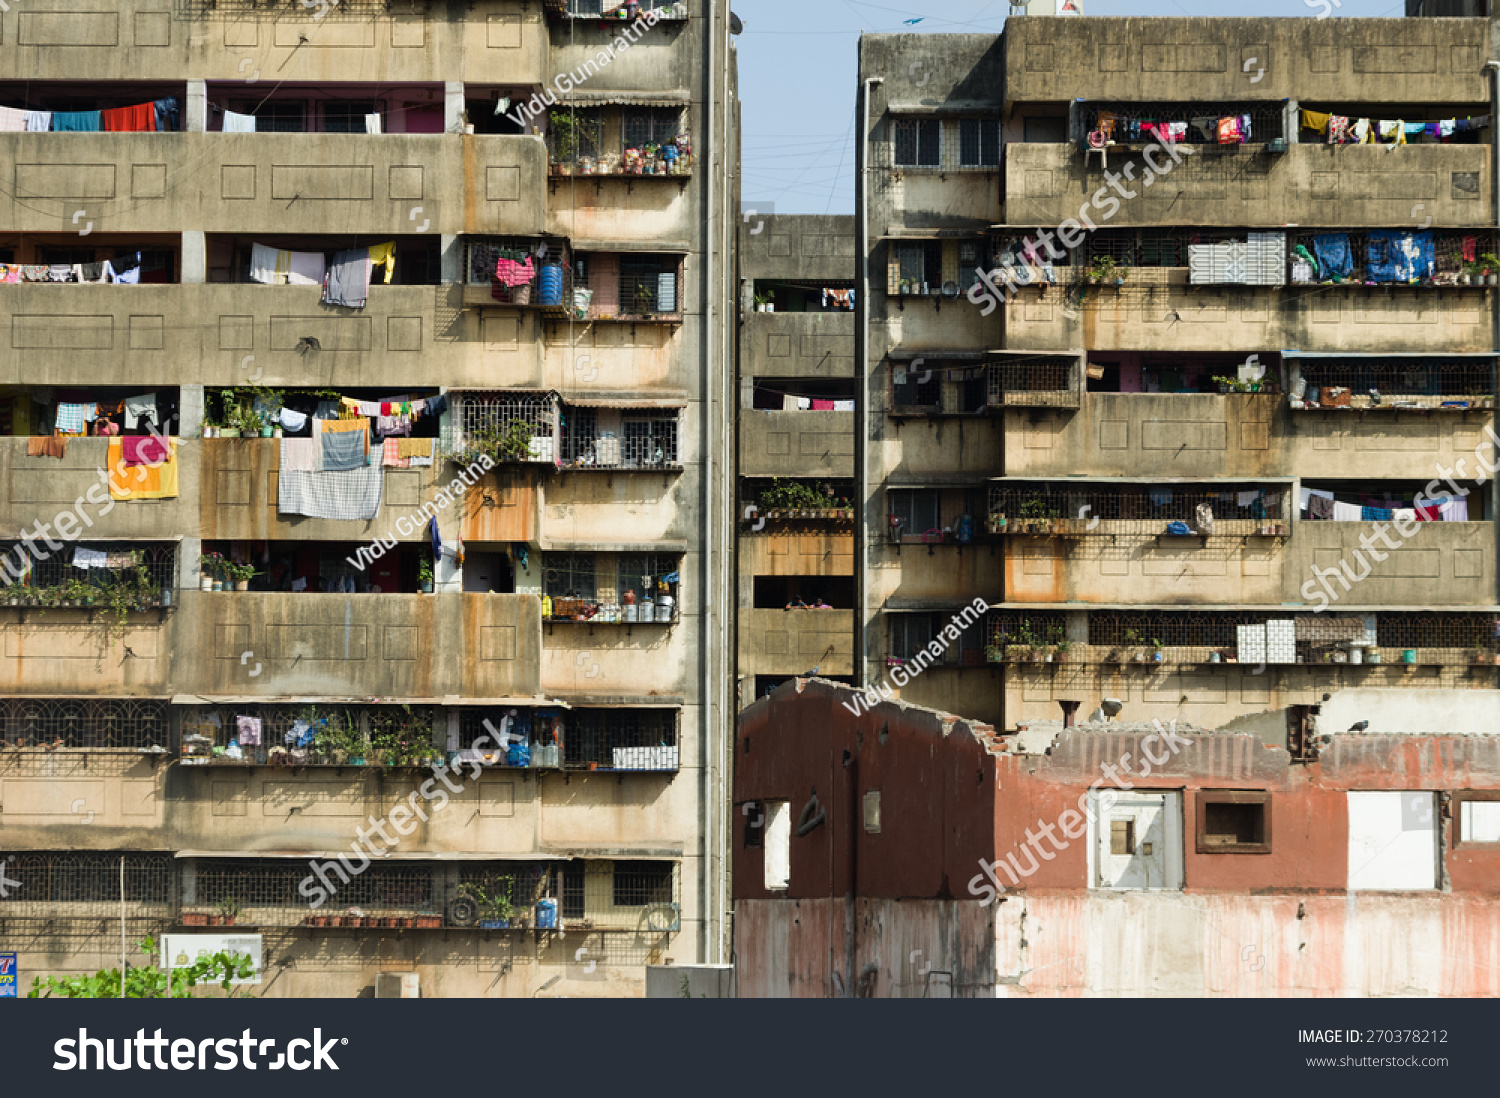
546 914
550 286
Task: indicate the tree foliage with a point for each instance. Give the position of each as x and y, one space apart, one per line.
150 980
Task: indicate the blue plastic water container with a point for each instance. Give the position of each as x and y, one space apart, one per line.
550 286
546 914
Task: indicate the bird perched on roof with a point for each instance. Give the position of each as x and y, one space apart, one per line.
1359 727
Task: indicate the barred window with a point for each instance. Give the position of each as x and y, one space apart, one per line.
83 722
919 387
88 877
918 142
916 510
620 439
652 126
649 286
979 142
637 884
911 633
509 427
622 739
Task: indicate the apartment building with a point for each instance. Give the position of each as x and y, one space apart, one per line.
795 419
1344 849
1179 333
386 455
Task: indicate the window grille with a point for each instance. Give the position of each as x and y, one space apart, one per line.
63 885
84 722
1041 382
268 892
651 126
1012 636
915 511
917 389
500 423
328 735
481 255
574 135
637 884
650 286
910 634
634 440
592 586
946 144
979 142
917 142
43 578
348 116
622 739
1098 510
1399 382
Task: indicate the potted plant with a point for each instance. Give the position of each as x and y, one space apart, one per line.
492 894
228 908
195 918
1156 651
1471 271
994 653
762 300
1134 641
239 574
426 920
1491 264
424 572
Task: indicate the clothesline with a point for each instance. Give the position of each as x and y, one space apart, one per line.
1344 130
159 115
1321 505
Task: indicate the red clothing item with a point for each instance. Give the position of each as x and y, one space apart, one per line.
143 450
822 406
137 119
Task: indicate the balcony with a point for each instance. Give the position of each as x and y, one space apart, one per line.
297 182
360 646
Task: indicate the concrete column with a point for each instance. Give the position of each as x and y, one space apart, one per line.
453 106
194 257
196 119
453 259
188 551
190 411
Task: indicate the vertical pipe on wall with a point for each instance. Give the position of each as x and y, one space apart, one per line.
862 384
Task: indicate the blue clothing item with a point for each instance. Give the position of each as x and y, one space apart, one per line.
1332 250
437 540
1392 256
1374 514
1178 529
77 121
343 450
166 115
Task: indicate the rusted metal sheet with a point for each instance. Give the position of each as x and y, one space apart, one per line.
501 507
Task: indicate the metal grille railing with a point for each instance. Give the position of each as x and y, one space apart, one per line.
1023 636
622 739
269 892
908 636
509 427
1396 382
62 885
619 140
135 570
1042 382
1227 510
1124 120
634 439
595 586
1452 251
1151 247
482 256
946 144
311 735
84 722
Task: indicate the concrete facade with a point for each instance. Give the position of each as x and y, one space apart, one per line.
973 145
622 827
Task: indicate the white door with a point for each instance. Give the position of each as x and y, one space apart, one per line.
1136 840
1393 840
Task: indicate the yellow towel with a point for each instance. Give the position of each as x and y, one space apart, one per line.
413 447
384 255
1314 120
141 481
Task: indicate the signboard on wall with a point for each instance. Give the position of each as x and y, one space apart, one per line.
183 950
10 977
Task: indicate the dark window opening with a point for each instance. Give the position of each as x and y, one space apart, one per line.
639 883
918 142
1234 823
755 824
979 142
804 592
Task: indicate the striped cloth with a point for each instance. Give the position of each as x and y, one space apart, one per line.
350 495
301 455
392 456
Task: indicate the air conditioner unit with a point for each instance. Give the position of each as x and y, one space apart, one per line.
397 985
664 917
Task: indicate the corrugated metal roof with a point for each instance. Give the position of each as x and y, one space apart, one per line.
627 99
625 402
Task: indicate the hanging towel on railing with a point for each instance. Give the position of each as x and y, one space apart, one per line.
140 118
166 114
38 121
305 268
75 122
269 265
347 282
238 123
12 120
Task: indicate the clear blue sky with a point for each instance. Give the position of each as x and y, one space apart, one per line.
797 78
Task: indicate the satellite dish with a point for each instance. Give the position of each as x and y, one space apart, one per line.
735 26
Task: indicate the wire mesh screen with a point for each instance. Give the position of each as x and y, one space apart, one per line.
482 256
645 897
1041 382
271 892
1095 510
1017 636
1126 122
142 570
509 427
86 885
1396 382
84 722
622 739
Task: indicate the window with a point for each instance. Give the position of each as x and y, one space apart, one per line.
754 815
656 126
1393 840
872 812
1234 823
915 386
918 142
979 142
275 116
637 884
347 116
569 575
778 840
913 511
1135 840
1478 818
910 634
648 286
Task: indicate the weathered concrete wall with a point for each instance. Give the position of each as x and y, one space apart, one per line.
1435 61
785 550
1145 944
138 38
1412 710
910 949
804 246
797 344
1240 435
298 183
1156 310
1307 185
796 444
792 642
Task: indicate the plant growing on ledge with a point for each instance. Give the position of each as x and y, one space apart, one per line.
228 909
492 894
239 574
424 572
1103 270
510 443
